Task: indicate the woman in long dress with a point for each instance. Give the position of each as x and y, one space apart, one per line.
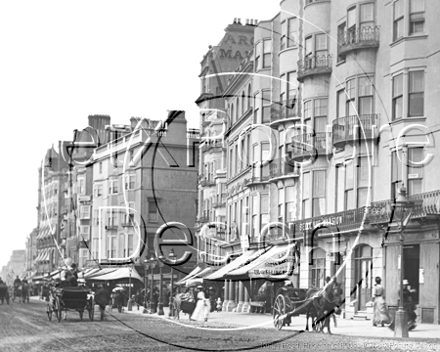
200 310
381 315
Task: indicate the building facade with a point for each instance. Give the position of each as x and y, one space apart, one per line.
342 87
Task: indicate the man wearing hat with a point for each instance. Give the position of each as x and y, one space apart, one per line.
408 305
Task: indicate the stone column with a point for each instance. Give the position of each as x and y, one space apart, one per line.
240 297
246 306
226 296
231 303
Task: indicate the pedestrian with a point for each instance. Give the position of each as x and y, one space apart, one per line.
200 311
102 298
380 315
219 305
408 305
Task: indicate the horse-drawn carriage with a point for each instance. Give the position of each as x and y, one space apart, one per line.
70 298
21 291
315 303
4 293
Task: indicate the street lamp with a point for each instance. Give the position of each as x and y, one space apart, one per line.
152 266
403 208
160 261
130 302
172 257
146 267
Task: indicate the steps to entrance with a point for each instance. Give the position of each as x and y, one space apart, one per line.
360 315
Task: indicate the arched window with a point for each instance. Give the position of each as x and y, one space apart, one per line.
317 269
243 102
249 96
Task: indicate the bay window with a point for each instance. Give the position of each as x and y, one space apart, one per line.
397 111
416 93
417 16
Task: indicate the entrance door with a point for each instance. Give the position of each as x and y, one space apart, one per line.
363 275
411 264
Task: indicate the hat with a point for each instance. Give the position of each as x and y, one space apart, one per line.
405 282
200 286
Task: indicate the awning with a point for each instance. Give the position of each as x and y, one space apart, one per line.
200 277
247 256
109 274
190 275
275 263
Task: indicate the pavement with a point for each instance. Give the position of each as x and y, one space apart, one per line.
346 327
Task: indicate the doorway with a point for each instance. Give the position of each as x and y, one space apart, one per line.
363 275
411 264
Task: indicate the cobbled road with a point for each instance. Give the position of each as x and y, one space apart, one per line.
26 327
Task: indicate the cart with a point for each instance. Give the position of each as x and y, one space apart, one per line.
289 302
4 293
70 298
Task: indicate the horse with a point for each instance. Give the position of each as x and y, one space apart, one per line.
323 306
177 305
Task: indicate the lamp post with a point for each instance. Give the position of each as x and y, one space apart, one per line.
152 266
160 261
403 208
146 267
172 257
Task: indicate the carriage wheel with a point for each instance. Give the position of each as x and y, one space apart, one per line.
81 312
57 308
91 308
279 309
49 311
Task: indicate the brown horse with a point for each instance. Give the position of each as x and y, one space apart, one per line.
324 305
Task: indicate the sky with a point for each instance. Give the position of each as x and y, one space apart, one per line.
64 60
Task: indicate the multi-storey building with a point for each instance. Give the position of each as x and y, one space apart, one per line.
143 178
15 267
342 86
31 253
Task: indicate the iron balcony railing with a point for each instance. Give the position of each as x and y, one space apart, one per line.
346 128
281 167
206 182
311 144
208 145
313 65
353 39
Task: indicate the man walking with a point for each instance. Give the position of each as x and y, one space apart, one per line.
102 298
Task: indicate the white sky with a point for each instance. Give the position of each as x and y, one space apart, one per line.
61 61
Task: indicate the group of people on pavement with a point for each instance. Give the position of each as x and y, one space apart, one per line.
381 315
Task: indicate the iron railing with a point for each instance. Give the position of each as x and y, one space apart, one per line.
280 167
305 145
360 37
312 65
344 128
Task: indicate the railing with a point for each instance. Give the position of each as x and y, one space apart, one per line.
280 167
306 145
111 227
256 180
367 37
212 144
207 182
344 127
203 219
313 65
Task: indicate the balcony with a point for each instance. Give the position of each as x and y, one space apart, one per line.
208 145
256 180
280 168
283 111
220 203
111 227
205 182
314 65
203 219
311 145
359 38
347 129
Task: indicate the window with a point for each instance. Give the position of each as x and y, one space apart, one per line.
84 231
113 187
113 218
321 45
267 53
365 96
130 182
308 47
232 113
416 93
81 186
349 186
84 212
96 217
291 94
396 174
265 157
366 17
254 216
398 19
350 89
415 172
362 181
264 210
290 203
256 107
306 195
342 38
243 103
281 205
318 203
266 103
152 211
257 55
417 16
317 269
98 190
292 32
100 167
397 97
351 25
249 96
130 245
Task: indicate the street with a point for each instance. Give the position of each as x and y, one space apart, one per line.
25 327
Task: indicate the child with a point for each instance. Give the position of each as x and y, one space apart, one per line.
219 305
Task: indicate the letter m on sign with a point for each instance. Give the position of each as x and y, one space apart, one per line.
227 54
